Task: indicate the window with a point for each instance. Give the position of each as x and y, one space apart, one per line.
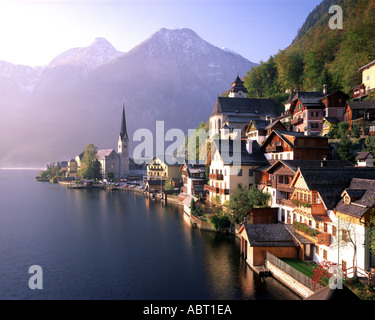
314 113
334 231
317 250
325 227
314 125
347 200
325 254
239 172
343 264
345 235
339 112
250 172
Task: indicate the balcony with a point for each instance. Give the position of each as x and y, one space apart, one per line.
285 202
296 122
274 148
216 176
211 189
284 187
266 182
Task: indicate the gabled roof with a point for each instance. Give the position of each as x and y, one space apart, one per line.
310 98
330 119
258 124
358 105
245 107
229 154
367 65
363 155
101 154
362 194
331 182
274 124
273 235
295 164
237 86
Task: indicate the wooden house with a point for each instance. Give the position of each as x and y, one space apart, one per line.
360 112
278 239
256 130
287 145
193 178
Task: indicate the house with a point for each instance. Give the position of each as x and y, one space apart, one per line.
354 210
235 112
278 239
281 174
359 112
317 191
290 145
327 124
109 163
256 130
137 170
155 185
365 159
308 109
193 178
163 168
275 125
372 128
368 81
72 169
232 162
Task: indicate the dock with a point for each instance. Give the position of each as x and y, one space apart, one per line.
262 271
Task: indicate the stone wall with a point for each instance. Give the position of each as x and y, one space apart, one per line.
290 282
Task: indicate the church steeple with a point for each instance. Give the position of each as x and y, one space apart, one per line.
238 89
123 132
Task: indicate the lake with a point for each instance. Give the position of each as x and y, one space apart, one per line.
95 244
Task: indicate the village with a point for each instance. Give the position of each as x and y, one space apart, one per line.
311 207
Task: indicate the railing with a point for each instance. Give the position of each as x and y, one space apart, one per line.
211 188
295 274
285 202
266 182
223 191
297 121
274 149
284 187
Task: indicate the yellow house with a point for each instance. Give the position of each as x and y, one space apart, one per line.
368 80
368 75
327 123
158 169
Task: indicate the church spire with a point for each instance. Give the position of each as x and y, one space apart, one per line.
123 132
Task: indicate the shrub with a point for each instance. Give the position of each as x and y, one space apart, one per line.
219 221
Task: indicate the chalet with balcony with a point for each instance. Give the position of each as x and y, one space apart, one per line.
281 174
368 81
231 162
355 209
360 112
308 109
287 145
316 193
194 179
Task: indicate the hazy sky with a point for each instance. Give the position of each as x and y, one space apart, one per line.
33 32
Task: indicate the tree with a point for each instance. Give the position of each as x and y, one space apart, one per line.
343 150
258 198
239 204
356 130
90 165
168 184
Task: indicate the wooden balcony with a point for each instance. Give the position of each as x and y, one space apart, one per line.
284 187
223 191
285 202
324 239
216 176
266 182
211 189
296 122
274 149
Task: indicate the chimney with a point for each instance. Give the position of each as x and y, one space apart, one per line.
325 89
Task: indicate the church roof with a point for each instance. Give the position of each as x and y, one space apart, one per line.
245 107
101 154
237 86
123 132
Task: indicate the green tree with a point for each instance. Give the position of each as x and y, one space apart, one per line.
239 204
168 184
343 150
356 130
258 198
90 165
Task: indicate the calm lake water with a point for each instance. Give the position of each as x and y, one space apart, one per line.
114 245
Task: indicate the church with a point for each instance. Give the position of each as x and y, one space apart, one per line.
114 164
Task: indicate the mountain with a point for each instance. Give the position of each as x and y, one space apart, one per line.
174 76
